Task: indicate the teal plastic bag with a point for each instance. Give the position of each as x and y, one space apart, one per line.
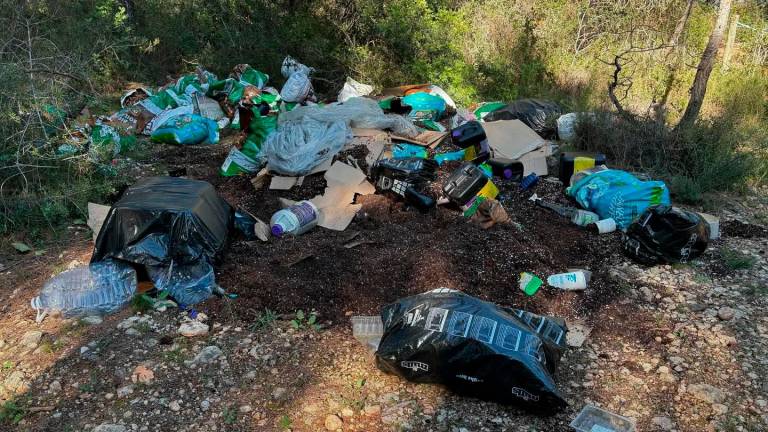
618 195
188 129
424 106
405 151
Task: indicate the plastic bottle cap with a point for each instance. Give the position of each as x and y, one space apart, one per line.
507 173
277 230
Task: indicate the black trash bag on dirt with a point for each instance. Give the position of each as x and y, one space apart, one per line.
539 115
475 348
164 219
666 234
174 227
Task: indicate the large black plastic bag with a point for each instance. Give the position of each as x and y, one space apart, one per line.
475 348
167 223
539 115
666 234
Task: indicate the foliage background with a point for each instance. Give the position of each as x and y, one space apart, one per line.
82 53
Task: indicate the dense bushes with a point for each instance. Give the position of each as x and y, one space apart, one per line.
83 52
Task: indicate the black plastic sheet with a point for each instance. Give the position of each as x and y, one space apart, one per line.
666 234
475 348
539 115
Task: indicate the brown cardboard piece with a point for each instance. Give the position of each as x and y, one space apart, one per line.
430 139
283 183
513 139
97 213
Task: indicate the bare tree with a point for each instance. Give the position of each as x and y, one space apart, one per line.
707 62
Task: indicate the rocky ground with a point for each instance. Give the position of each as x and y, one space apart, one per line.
676 348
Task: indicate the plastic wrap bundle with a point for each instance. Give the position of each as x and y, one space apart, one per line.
99 288
357 112
539 115
475 348
666 234
291 66
297 147
298 88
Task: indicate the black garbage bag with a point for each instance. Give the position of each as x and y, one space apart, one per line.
539 115
665 234
164 219
475 348
175 227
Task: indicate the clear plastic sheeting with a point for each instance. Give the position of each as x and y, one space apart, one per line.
299 146
352 89
188 284
357 112
97 289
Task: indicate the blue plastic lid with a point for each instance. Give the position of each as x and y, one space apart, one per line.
277 230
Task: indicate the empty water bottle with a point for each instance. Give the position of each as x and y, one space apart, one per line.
99 288
187 284
296 219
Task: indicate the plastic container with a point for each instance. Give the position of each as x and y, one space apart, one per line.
584 218
529 181
506 168
594 419
465 183
98 289
603 226
368 330
571 281
573 162
529 283
296 219
468 135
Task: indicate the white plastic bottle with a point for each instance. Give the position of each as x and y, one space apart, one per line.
571 281
296 219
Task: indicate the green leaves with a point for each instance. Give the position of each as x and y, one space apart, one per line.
21 247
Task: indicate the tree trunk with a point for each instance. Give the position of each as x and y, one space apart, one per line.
707 62
660 107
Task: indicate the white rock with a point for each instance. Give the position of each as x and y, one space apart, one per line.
206 355
333 422
174 406
124 391
92 320
31 339
664 423
105 427
193 328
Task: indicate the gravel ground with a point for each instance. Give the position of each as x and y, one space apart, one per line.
676 348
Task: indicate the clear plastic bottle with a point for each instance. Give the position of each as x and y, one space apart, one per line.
296 219
99 288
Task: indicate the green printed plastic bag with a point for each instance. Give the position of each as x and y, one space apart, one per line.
106 143
238 163
188 129
486 108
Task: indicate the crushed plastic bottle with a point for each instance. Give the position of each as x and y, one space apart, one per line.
99 288
296 219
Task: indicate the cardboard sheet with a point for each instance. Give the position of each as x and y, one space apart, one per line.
338 218
344 174
97 213
430 139
283 183
513 139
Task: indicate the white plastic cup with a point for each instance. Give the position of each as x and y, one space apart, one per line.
606 225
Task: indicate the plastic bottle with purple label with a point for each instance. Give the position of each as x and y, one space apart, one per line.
296 219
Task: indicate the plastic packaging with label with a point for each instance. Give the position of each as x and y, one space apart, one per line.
475 348
296 219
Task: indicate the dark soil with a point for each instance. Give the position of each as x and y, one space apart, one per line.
734 228
404 252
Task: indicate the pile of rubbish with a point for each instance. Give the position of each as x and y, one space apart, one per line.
169 232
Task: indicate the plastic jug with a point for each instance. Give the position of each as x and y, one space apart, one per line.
571 281
296 219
